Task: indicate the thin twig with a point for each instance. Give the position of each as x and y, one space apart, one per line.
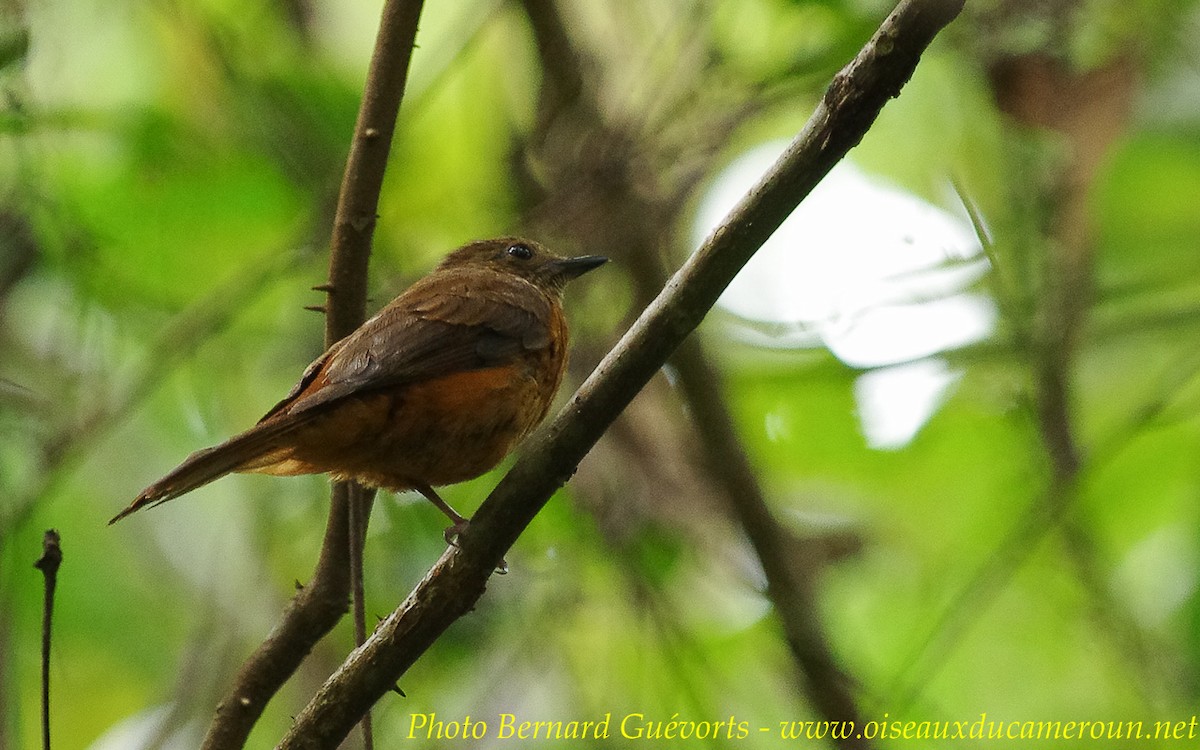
920 667
319 606
48 563
361 500
350 254
456 582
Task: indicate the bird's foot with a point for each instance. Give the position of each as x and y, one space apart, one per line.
452 533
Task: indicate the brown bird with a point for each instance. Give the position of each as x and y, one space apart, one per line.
435 389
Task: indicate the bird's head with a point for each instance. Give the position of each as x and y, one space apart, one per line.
524 258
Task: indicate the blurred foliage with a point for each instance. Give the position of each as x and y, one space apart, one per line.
167 178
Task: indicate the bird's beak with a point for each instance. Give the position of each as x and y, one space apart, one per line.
572 268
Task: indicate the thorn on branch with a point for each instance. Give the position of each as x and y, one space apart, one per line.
316 308
326 287
364 222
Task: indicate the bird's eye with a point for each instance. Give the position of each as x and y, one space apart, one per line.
520 252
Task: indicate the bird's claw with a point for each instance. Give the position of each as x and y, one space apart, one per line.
452 533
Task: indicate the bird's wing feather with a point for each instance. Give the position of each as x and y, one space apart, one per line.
422 336
310 374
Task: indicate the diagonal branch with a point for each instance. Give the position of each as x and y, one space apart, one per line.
321 604
457 581
608 188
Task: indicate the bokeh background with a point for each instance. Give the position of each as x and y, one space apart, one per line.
966 372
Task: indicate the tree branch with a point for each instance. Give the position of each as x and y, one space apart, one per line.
791 572
456 582
319 606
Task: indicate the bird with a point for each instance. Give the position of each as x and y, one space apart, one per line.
435 389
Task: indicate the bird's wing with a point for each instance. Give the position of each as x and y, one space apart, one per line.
421 336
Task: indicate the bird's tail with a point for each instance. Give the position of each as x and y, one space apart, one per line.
241 452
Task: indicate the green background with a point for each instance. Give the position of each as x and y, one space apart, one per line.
166 176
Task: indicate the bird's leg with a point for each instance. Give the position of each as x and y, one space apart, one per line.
460 523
